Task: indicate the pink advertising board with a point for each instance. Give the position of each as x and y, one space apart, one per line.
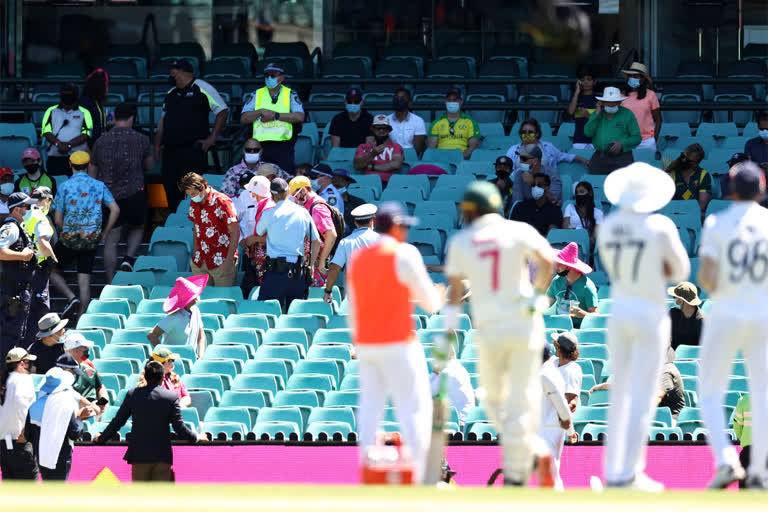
678 467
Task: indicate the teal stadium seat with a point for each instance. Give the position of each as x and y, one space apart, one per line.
310 323
331 429
143 321
229 414
268 307
593 321
349 398
238 336
231 430
240 352
223 307
114 306
220 366
259 321
291 414
151 307
323 336
251 399
340 414
275 430
320 382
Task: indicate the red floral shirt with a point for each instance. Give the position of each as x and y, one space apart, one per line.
211 218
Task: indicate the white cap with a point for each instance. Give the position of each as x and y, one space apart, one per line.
74 340
364 211
381 119
258 185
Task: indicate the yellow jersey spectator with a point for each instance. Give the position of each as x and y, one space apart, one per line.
454 130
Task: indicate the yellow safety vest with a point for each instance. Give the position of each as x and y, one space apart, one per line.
272 130
30 225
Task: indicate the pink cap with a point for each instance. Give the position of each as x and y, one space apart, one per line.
30 153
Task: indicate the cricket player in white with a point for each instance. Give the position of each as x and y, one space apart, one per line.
493 254
734 270
641 253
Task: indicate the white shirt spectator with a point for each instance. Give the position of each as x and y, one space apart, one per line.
551 155
574 221
571 373
403 132
458 386
553 404
246 208
19 396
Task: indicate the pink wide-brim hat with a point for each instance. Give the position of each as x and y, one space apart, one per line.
569 257
185 291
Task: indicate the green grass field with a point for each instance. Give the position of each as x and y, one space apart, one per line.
289 498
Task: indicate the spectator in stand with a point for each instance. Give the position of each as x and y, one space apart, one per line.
17 393
6 189
301 170
89 384
458 385
184 324
342 180
530 134
303 195
614 132
538 211
408 129
691 181
242 200
120 159
50 343
322 182
79 204
255 246
530 165
152 408
382 157
503 181
687 317
582 213
35 176
742 427
351 128
671 392
67 128
571 291
171 379
455 129
644 103
566 354
582 105
725 179
251 162
216 233
757 148
182 131
94 99
276 114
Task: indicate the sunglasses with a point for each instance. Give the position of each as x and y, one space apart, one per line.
377 128
271 75
251 150
527 132
525 158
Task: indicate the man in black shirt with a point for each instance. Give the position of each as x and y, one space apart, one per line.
49 345
182 131
671 389
350 129
503 180
539 212
687 317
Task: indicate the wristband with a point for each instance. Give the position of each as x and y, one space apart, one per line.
326 290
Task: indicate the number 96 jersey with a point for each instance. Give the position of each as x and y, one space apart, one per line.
635 248
737 239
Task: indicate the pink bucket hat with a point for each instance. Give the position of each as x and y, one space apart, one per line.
569 257
184 291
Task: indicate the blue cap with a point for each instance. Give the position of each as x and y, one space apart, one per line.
392 213
747 180
345 174
274 68
322 170
181 64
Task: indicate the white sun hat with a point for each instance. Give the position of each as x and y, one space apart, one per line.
611 94
640 187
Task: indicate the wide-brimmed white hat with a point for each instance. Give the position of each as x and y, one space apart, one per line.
640 187
611 94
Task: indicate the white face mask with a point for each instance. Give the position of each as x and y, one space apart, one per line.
612 110
342 190
537 192
252 158
524 167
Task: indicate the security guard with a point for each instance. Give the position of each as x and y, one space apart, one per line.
273 111
287 225
321 176
362 236
17 252
40 229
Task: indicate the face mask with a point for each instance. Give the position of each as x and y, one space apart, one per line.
86 354
28 214
400 104
564 272
315 185
6 189
68 99
380 140
524 167
251 158
763 134
582 200
198 199
270 82
342 190
33 171
353 108
528 137
537 192
611 110
633 82
452 107
502 175
171 81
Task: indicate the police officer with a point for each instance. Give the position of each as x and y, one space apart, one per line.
276 113
17 252
362 236
322 177
39 228
286 226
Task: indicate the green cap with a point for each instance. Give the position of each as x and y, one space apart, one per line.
482 196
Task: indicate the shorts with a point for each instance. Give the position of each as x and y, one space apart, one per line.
67 256
133 210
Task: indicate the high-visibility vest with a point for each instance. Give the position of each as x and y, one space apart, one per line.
381 303
272 130
31 224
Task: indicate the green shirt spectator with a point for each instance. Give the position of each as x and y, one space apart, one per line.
89 383
622 127
582 290
742 421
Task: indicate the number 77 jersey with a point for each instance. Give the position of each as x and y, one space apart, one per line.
737 240
493 254
635 249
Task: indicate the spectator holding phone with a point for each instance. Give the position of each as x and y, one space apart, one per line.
582 105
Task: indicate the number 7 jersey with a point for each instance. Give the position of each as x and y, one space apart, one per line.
634 249
737 240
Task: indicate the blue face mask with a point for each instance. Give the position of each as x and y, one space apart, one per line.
342 190
315 185
763 134
198 199
524 167
353 108
270 81
633 82
452 106
6 189
611 110
28 214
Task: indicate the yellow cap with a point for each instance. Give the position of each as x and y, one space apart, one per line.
299 182
80 158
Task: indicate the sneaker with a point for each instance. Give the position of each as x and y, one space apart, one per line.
508 482
726 475
127 264
640 482
72 308
545 471
756 482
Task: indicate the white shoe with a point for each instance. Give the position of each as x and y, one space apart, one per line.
641 482
726 475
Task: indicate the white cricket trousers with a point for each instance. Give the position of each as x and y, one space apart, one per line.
554 438
508 362
638 336
730 327
398 370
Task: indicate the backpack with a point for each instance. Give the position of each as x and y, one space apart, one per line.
338 222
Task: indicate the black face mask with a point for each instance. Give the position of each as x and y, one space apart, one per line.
502 175
380 139
582 200
68 99
400 104
564 272
171 81
32 170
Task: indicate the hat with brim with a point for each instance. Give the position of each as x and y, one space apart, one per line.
686 292
344 174
639 187
50 324
567 341
67 362
185 291
611 94
162 354
569 257
56 379
637 68
17 354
